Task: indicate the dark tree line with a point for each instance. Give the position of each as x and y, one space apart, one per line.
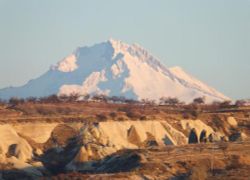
167 101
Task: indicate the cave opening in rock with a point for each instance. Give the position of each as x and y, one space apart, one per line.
11 150
203 136
193 138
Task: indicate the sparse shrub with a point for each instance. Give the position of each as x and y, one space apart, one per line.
73 97
63 98
240 103
131 101
45 111
185 115
117 99
225 104
199 100
143 118
63 110
214 106
169 101
148 102
15 101
120 118
218 123
195 113
101 117
113 115
124 109
28 110
192 110
100 98
86 97
31 99
2 102
133 115
50 99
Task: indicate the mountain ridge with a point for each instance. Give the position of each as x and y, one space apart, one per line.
115 68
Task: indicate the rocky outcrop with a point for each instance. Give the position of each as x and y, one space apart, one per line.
99 140
61 135
38 132
198 132
133 136
69 146
16 152
178 136
12 144
150 141
117 132
238 136
232 121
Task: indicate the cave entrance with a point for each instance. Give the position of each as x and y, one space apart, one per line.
203 136
193 138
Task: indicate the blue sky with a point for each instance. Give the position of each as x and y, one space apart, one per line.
208 38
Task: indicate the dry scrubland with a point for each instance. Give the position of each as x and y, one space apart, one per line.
65 143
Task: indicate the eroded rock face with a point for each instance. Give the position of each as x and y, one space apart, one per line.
99 140
80 146
150 141
94 145
178 136
60 136
11 141
16 152
38 132
232 121
133 136
199 132
117 132
55 159
82 155
214 137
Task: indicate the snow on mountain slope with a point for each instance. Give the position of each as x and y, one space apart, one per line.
115 68
190 81
68 64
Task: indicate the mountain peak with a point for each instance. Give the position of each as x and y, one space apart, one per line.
118 46
121 46
115 68
114 41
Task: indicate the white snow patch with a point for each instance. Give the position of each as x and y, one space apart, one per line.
148 83
68 64
118 46
192 82
117 69
89 86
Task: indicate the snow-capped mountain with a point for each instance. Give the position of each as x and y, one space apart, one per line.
115 68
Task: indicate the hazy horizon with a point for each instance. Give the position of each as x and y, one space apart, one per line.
209 39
